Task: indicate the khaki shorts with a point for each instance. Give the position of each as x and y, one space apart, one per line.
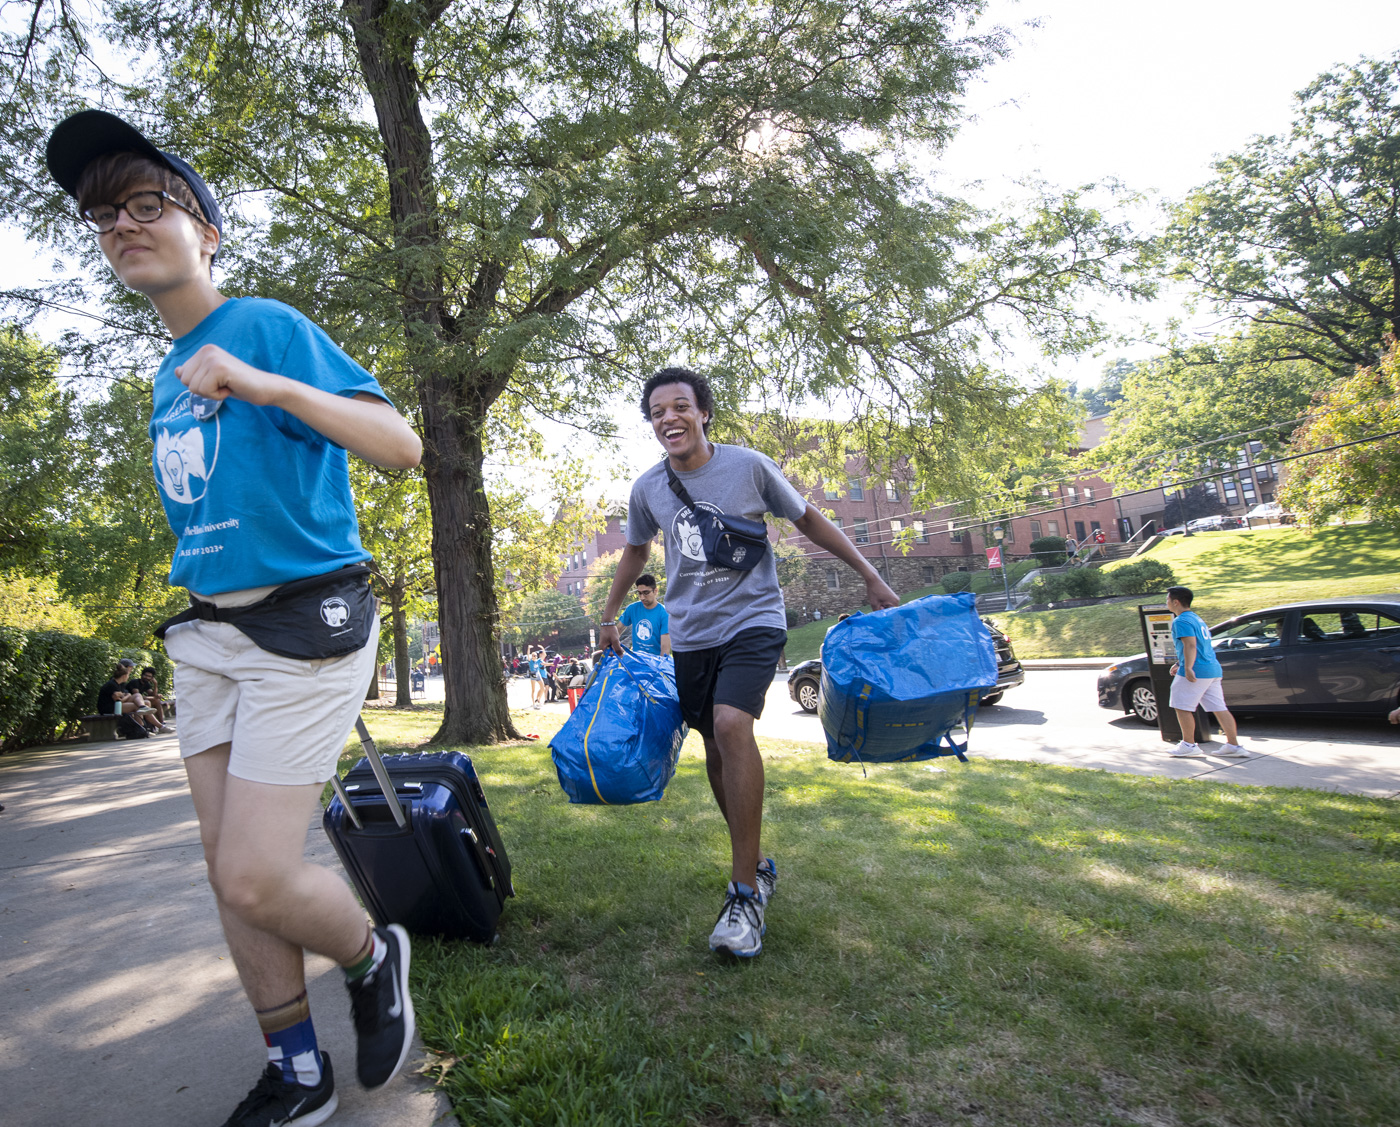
1203 691
286 719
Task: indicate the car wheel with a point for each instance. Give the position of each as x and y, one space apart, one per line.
1143 701
991 698
807 696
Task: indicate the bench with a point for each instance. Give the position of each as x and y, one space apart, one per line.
99 728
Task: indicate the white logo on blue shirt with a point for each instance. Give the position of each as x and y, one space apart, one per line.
184 465
643 630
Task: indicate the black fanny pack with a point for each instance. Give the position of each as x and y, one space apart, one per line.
727 541
308 619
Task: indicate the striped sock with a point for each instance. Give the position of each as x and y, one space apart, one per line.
368 959
291 1041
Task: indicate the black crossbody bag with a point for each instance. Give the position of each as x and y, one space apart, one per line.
308 619
728 541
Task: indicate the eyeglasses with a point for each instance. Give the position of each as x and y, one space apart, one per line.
144 207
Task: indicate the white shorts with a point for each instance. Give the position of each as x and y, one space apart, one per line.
287 719
1203 692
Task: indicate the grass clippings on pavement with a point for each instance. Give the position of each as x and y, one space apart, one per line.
981 943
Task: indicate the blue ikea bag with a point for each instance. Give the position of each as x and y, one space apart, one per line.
621 744
895 683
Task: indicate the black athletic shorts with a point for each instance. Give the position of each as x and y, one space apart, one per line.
737 673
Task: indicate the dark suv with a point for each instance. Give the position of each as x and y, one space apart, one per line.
805 680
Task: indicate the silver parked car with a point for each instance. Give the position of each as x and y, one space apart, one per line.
1337 656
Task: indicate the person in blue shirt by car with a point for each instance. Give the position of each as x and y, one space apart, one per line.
647 619
1196 678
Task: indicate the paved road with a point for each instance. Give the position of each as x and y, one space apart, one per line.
120 1004
1055 718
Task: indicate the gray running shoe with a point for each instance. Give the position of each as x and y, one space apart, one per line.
739 929
767 879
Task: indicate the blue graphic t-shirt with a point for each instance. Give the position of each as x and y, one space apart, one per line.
1189 624
647 626
254 496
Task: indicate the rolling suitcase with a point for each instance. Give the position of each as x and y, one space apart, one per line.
418 841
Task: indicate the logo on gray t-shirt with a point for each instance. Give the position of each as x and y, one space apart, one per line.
709 604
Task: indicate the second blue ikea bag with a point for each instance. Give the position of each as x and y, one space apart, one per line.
621 744
897 682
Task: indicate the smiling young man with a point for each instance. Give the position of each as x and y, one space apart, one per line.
728 627
254 410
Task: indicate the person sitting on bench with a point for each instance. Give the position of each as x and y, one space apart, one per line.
130 709
148 687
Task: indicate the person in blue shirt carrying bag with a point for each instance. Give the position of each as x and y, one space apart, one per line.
1196 679
727 619
647 619
254 409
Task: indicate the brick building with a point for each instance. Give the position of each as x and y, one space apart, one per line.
612 537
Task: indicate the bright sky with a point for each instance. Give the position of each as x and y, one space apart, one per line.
1148 94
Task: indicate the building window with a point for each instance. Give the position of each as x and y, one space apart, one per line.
1088 494
622 527
920 536
1035 530
896 527
1053 528
930 577
861 530
838 522
955 534
1243 459
1247 484
833 580
891 491
1070 494
857 490
1211 489
1266 497
1231 495
830 490
1010 530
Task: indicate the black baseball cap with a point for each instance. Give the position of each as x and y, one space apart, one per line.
79 140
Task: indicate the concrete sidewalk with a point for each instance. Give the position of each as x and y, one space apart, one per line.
121 1005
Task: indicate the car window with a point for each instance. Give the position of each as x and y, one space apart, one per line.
1251 634
1319 627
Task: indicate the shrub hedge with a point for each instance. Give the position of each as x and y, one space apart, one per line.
1049 550
956 581
51 679
1141 578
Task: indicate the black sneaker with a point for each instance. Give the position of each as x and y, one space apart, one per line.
274 1100
383 1012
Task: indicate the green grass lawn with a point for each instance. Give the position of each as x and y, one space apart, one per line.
989 943
1230 573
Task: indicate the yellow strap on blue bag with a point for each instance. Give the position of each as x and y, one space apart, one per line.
602 693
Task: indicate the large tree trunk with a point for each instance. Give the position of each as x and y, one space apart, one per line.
476 710
454 407
403 672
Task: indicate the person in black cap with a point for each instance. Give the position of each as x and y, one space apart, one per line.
254 410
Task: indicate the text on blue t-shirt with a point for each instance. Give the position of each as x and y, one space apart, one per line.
254 495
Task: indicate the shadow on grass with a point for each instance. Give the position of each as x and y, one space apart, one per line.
990 942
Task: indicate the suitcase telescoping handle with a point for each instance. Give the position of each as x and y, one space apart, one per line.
381 774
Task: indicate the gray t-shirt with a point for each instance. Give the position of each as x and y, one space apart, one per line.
709 604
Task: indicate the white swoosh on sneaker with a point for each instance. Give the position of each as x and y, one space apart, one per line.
397 1008
291 1115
